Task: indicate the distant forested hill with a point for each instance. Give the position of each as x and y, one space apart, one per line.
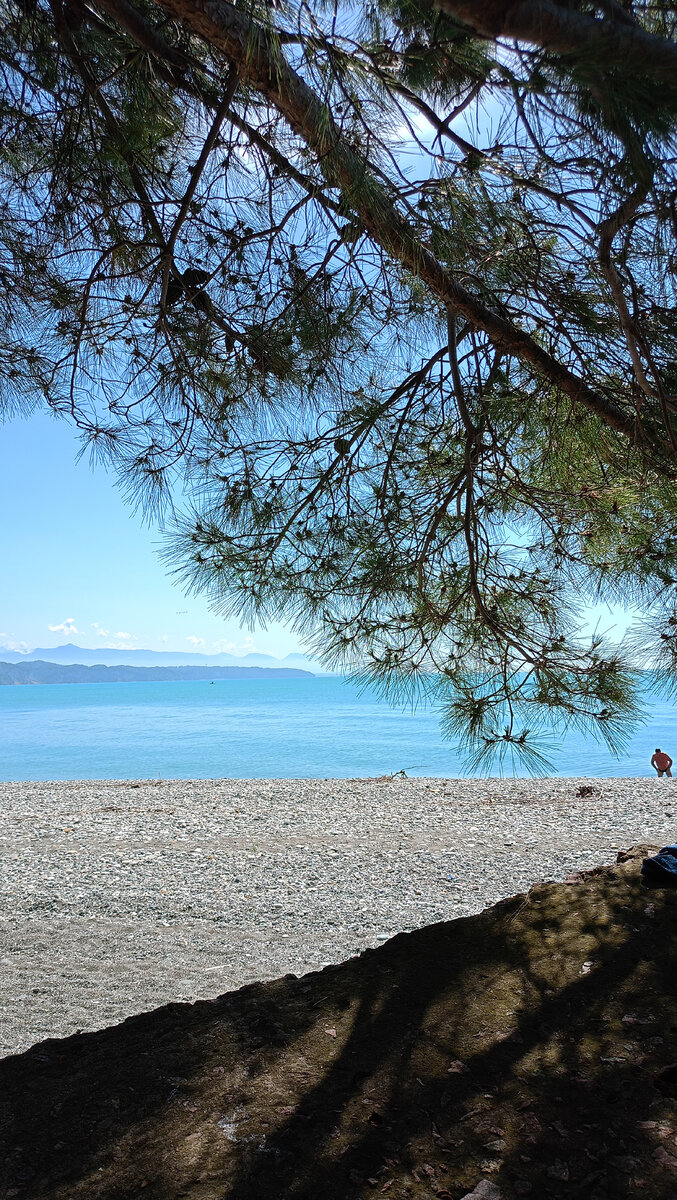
111 656
46 672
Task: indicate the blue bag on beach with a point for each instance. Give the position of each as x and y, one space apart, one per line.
661 870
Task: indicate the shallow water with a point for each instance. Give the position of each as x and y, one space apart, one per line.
320 727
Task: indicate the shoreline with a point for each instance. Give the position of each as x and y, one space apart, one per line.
118 896
500 781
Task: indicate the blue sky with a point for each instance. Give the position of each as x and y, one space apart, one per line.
79 566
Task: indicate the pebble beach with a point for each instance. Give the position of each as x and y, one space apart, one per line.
117 897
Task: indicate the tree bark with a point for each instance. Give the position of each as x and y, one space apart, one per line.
560 28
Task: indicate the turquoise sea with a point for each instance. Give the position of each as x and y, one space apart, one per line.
320 727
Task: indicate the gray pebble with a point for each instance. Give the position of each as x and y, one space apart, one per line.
116 897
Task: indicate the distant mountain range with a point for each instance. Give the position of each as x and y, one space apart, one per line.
104 656
47 672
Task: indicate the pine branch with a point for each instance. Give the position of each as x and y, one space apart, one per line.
261 65
561 29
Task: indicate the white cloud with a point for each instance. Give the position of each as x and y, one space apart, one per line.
12 644
224 644
120 641
165 638
196 641
66 627
248 646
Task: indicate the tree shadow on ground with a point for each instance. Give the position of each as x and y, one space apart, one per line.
526 1046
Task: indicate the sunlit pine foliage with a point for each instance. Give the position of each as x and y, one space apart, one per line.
378 315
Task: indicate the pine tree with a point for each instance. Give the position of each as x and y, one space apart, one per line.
388 294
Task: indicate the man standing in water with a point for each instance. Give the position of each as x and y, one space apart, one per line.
662 763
